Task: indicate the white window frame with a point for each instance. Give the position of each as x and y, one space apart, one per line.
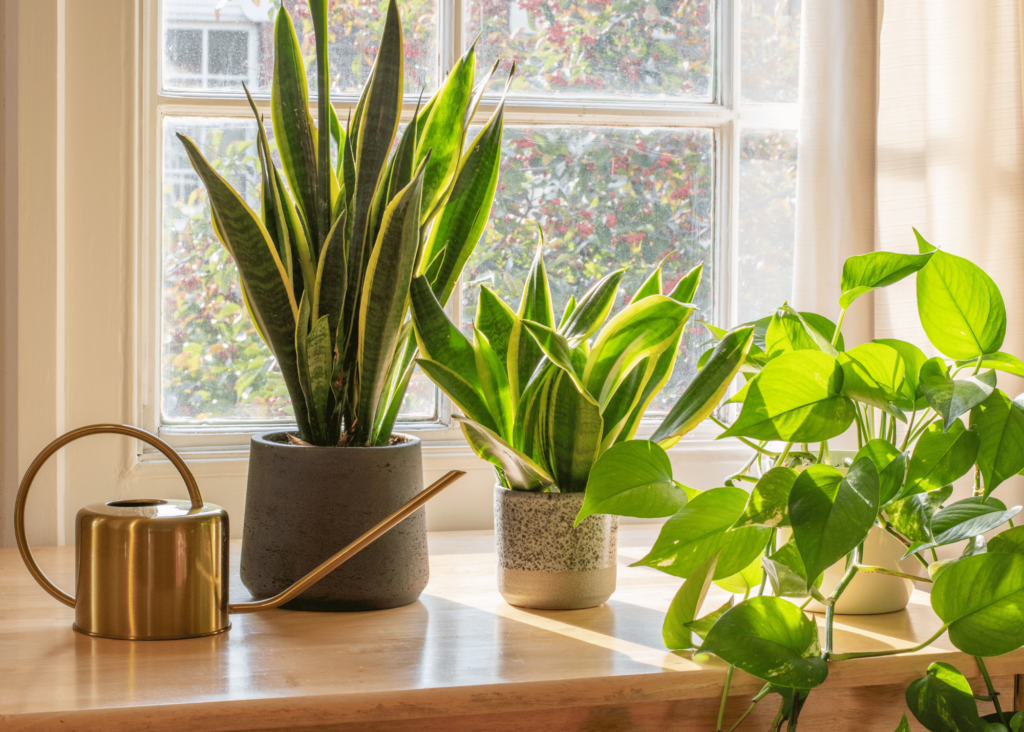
724 115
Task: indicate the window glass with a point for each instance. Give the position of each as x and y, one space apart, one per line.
770 50
606 48
214 366
229 42
767 221
605 198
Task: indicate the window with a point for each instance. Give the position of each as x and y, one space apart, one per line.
636 132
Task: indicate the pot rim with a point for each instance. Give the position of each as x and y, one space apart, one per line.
261 438
549 496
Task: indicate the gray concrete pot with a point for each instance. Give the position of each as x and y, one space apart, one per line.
303 504
543 562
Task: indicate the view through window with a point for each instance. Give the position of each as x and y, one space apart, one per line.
617 146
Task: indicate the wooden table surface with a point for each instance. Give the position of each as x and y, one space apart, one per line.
460 658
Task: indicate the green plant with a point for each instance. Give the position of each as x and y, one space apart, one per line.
804 387
540 402
325 267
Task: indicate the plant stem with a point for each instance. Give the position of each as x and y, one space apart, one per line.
935 556
862 430
839 327
888 527
890 651
892 572
925 424
988 682
725 696
977 368
806 602
830 603
783 455
744 440
910 428
777 722
765 691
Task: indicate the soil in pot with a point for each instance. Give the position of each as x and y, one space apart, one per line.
543 562
303 504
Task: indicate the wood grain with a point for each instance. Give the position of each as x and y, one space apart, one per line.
459 659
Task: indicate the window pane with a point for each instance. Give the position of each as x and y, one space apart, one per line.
214 366
605 198
767 221
770 50
213 44
616 48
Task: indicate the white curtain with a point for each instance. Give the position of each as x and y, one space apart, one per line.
835 211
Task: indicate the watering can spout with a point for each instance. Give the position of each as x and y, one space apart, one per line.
153 569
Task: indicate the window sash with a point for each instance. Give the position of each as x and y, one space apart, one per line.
725 116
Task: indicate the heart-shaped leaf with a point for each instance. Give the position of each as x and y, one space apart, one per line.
913 359
866 272
999 424
943 701
873 374
891 465
632 479
796 398
745 580
968 518
1010 541
700 529
702 626
950 398
904 725
787 333
961 308
912 516
981 601
768 504
685 606
787 574
772 639
999 361
940 458
832 513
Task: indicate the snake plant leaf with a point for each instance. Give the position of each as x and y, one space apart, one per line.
331 277
999 361
570 306
943 701
685 606
399 374
981 600
650 286
320 360
912 516
939 458
630 401
772 639
556 348
951 398
439 340
703 395
494 384
961 308
385 299
524 354
495 320
572 421
302 365
701 528
786 333
891 465
377 121
293 126
873 374
1010 541
913 359
797 398
832 513
324 173
747 579
273 210
402 166
866 272
702 626
787 574
301 252
686 289
460 223
259 268
966 519
520 471
479 89
642 329
999 423
592 309
768 504
441 132
632 479
338 138
536 301
460 391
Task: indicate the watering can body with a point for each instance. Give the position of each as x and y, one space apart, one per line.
157 569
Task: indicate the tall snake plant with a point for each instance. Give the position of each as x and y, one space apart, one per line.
540 402
326 265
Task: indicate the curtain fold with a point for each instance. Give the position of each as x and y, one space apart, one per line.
835 210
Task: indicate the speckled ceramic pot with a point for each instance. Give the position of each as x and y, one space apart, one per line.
543 562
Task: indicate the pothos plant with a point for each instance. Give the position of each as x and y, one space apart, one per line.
921 424
539 400
345 224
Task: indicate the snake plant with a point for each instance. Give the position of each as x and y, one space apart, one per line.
539 401
326 265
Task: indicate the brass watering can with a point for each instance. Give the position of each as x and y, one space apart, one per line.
155 569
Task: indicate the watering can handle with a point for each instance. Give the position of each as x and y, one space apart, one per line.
41 458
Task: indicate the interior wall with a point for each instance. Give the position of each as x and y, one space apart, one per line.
5 419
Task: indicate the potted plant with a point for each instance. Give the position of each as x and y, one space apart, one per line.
804 389
325 270
541 403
